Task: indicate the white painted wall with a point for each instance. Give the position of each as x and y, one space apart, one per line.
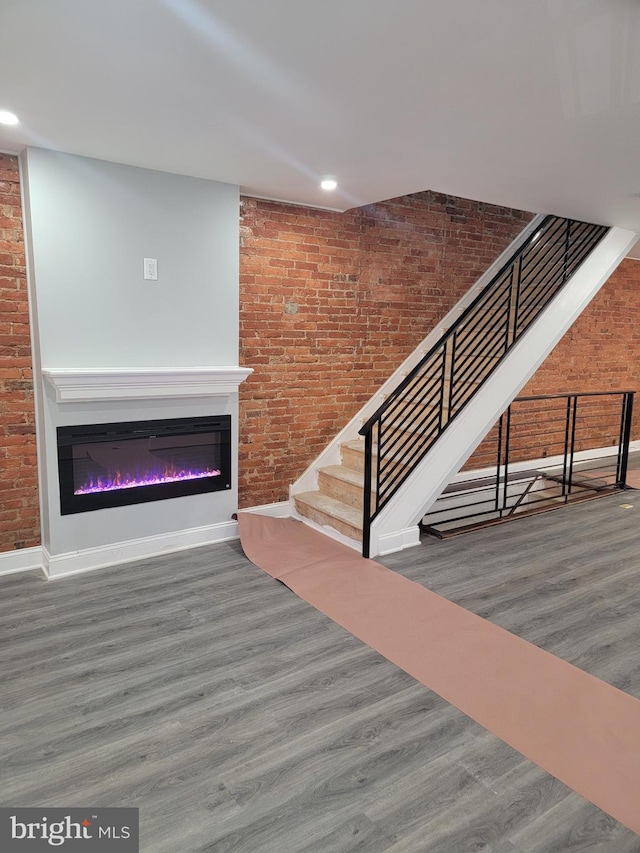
89 224
92 223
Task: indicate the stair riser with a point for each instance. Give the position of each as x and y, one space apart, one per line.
354 459
348 493
320 517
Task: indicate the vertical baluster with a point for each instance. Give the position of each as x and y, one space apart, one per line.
565 453
506 463
573 441
509 307
567 247
378 480
516 305
452 348
627 415
366 498
499 461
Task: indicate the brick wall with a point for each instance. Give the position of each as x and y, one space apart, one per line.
331 304
600 352
19 514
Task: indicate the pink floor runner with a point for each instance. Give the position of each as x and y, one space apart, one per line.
578 728
633 479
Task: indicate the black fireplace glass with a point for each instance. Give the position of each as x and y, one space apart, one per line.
117 464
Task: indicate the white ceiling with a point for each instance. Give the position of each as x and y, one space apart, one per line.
533 104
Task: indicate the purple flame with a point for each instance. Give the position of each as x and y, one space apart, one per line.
127 481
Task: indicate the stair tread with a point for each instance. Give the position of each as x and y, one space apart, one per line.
342 472
332 507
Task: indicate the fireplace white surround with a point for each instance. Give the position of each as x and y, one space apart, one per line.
110 346
74 385
76 543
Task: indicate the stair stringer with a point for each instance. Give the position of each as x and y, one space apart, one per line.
395 527
331 454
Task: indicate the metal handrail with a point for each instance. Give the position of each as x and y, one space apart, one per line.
523 435
450 373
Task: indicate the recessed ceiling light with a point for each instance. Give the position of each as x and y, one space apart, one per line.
8 118
328 184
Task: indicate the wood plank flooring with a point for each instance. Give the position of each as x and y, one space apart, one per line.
237 718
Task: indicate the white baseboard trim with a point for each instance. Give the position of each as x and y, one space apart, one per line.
22 560
276 510
546 462
76 562
55 566
389 543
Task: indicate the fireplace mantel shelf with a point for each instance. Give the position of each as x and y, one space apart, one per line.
74 385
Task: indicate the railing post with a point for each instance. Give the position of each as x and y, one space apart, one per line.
515 308
507 342
567 247
627 416
366 497
573 440
505 494
500 428
447 365
565 457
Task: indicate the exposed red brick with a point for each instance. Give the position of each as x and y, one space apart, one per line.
19 512
330 304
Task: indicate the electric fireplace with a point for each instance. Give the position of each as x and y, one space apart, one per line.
117 464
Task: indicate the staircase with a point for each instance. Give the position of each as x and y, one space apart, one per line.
407 443
337 502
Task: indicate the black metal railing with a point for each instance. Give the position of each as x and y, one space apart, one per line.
404 428
543 456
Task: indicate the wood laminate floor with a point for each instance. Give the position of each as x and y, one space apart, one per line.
237 718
